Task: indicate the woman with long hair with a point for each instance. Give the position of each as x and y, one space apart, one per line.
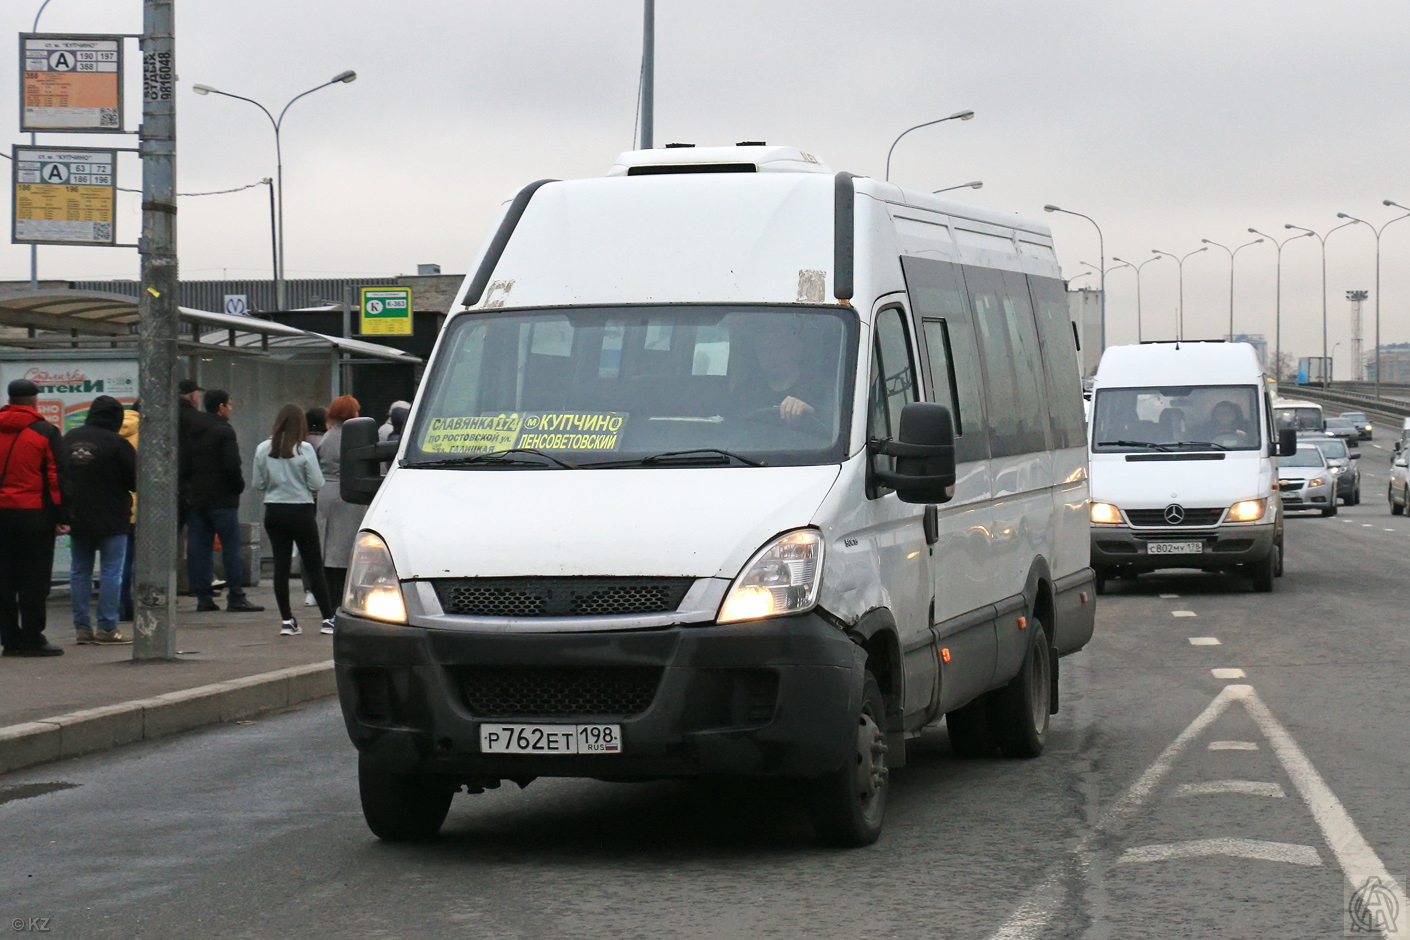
338 521
287 473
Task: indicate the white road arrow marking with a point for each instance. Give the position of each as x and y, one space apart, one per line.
1227 673
1235 848
1233 745
1204 641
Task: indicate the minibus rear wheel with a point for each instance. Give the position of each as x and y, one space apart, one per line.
401 807
848 804
1021 708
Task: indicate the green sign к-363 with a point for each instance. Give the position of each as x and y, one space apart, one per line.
386 310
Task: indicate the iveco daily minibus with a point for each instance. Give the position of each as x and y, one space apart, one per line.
723 464
1184 462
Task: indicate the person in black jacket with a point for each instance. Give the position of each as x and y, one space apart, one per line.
34 497
103 474
214 481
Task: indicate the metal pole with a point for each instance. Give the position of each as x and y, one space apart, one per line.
1181 266
34 249
1326 359
1139 337
154 591
273 232
280 289
648 74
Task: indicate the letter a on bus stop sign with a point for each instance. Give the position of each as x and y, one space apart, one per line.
386 310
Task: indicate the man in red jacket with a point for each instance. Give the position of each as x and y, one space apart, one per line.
33 509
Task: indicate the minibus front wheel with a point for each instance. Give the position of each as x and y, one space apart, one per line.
401 807
848 804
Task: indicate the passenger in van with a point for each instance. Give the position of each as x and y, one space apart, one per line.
1225 419
774 377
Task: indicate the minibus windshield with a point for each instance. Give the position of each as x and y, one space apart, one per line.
1188 417
647 386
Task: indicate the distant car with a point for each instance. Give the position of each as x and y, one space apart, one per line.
1306 482
1398 495
1346 429
1363 423
1344 465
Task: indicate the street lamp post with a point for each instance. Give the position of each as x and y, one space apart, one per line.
1101 259
341 77
1180 262
957 116
1323 240
1232 252
1140 338
973 184
1377 232
1278 301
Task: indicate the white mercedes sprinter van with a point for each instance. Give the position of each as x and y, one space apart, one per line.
1184 455
723 464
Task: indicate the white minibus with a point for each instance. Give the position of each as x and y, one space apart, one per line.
723 464
1184 462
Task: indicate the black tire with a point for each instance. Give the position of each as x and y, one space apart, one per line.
1282 561
401 807
1100 583
1330 510
1021 709
1265 573
971 729
1356 495
847 805
1396 509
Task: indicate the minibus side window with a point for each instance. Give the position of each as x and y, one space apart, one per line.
1058 335
893 380
986 291
942 371
1023 344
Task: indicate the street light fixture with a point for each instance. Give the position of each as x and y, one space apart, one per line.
1278 302
1232 252
957 116
1377 232
1323 240
341 78
1101 258
975 184
1140 338
1180 262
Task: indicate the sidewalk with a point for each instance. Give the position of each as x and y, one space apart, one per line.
227 665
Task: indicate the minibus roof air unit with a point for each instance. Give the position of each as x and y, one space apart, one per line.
747 156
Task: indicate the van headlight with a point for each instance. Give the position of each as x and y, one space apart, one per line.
782 578
1248 510
1105 514
373 589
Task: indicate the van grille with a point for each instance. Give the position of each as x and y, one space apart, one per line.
558 692
1152 518
560 597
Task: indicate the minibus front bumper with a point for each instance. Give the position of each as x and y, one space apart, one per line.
771 697
1224 546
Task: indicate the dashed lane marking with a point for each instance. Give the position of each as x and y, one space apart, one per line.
1166 597
1233 745
1235 848
1250 787
1227 673
1183 613
1367 525
1204 641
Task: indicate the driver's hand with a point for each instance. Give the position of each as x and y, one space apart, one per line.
792 409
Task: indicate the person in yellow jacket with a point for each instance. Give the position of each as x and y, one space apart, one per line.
130 420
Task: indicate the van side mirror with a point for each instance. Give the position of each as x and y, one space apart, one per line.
1356 456
1287 442
925 455
361 460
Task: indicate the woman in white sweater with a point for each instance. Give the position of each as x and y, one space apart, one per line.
287 473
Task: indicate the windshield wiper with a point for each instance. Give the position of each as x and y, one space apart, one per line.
1152 444
700 455
496 458
1198 444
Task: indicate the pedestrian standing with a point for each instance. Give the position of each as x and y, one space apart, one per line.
317 419
103 474
338 521
214 482
286 472
131 419
33 509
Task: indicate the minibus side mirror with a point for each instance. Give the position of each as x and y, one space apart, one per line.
361 460
925 455
1287 442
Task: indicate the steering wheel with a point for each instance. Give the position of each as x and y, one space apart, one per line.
771 415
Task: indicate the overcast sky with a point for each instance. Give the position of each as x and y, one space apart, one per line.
1167 123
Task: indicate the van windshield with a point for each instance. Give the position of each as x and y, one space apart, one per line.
637 386
1188 417
1300 419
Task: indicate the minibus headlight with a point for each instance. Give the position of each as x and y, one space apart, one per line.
373 589
782 578
1248 510
1105 514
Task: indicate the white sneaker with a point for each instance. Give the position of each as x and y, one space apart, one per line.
289 627
309 599
327 627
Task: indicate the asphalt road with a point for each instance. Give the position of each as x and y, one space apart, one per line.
1171 803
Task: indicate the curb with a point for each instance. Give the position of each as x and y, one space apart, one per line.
110 726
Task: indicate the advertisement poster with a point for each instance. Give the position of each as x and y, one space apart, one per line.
68 386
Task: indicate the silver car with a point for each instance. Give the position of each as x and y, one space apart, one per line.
1306 482
1344 466
1399 492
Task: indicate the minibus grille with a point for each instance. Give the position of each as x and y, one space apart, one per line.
558 692
1153 518
560 597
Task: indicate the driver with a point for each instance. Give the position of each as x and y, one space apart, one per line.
1226 419
778 379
